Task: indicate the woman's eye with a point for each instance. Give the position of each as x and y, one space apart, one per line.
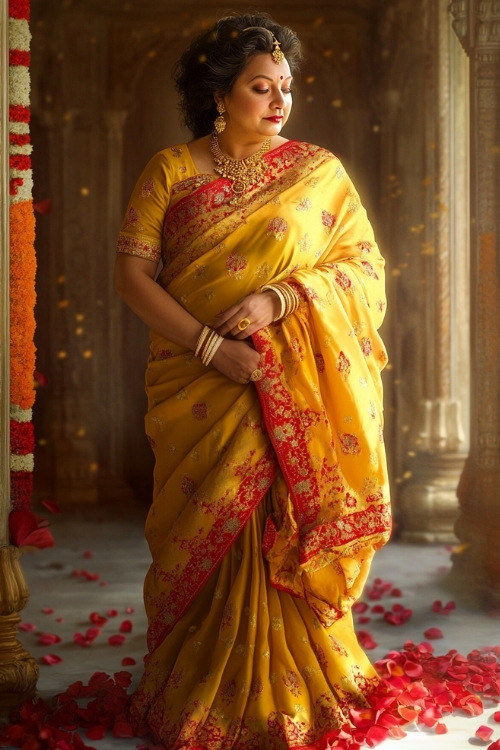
261 91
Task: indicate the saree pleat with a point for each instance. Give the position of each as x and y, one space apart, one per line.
270 499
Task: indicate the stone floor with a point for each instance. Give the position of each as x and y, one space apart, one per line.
98 565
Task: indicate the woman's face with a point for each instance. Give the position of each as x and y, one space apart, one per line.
260 101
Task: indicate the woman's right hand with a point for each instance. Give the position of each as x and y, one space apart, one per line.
236 360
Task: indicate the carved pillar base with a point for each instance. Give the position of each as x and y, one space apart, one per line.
18 669
428 505
476 561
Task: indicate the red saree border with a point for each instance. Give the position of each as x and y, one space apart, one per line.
186 582
370 523
202 211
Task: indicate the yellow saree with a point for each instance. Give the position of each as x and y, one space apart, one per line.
270 498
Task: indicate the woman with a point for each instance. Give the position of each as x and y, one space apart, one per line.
265 409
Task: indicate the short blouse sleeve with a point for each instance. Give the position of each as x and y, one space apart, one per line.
142 226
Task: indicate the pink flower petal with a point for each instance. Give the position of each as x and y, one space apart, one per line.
441 728
48 611
51 659
28 627
129 610
484 733
433 633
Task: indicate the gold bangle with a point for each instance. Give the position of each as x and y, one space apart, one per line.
201 338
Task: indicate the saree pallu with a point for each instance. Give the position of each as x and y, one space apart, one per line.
270 499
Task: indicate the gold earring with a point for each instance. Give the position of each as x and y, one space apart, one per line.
220 122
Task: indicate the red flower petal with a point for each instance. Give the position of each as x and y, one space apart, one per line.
123 729
126 627
484 733
96 733
48 639
97 619
366 640
375 735
441 728
47 611
87 639
26 530
51 659
433 633
129 610
112 612
128 661
116 640
51 505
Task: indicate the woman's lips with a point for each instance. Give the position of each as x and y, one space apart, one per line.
275 118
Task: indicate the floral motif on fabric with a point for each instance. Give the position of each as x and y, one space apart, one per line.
132 218
343 365
368 269
188 486
305 244
350 500
277 227
366 346
176 151
328 220
292 683
199 411
304 205
320 362
337 647
349 444
142 247
344 281
147 188
365 247
236 265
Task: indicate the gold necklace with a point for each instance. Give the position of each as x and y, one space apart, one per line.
241 172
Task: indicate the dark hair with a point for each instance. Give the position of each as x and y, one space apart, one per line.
215 59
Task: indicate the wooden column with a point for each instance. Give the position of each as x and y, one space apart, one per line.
476 563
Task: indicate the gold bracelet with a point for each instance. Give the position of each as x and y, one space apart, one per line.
288 297
210 346
201 338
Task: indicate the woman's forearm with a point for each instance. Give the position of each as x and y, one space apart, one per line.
135 284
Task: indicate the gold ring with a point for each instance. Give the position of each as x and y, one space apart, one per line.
256 374
244 323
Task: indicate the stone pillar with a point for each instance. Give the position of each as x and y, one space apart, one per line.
428 505
476 562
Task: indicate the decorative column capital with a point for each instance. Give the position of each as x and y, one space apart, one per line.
476 23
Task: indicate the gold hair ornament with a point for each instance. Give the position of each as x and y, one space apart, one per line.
277 53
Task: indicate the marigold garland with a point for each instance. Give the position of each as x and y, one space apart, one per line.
22 258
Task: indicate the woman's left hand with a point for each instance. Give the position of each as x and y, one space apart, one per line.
250 314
